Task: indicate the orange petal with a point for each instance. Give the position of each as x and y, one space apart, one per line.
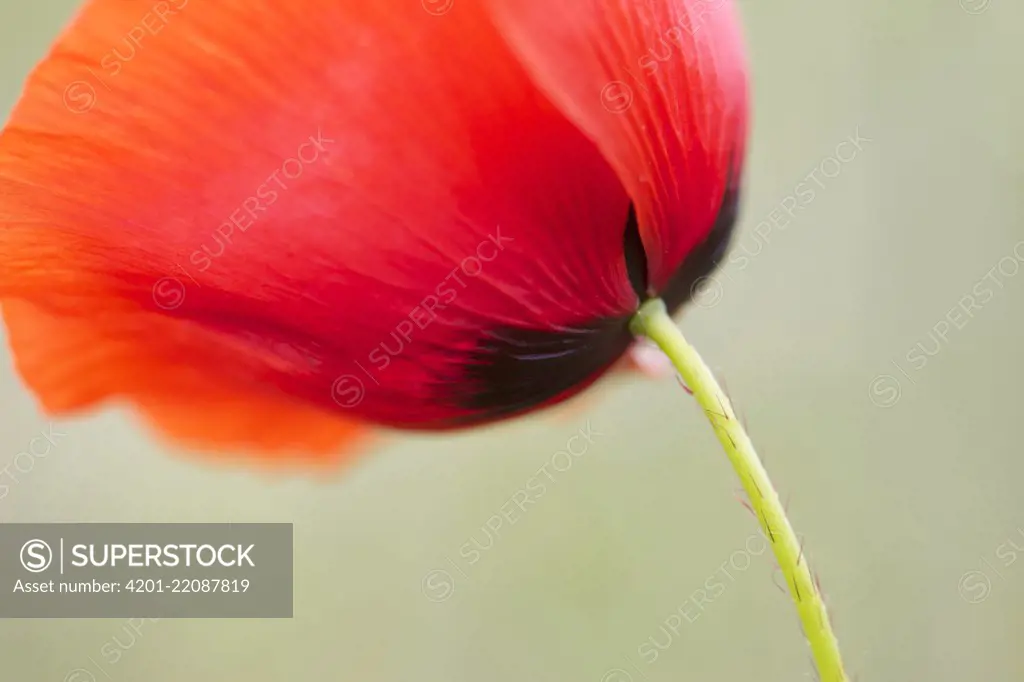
74 363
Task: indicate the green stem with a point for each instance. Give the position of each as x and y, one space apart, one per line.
653 321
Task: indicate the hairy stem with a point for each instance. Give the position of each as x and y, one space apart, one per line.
653 321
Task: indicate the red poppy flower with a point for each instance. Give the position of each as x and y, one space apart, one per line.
270 224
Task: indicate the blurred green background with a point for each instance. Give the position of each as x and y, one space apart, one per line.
904 478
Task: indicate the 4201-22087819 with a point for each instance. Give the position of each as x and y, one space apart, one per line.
185 585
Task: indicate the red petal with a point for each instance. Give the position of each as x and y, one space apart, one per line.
220 210
661 86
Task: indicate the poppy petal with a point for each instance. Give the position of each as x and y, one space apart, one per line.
661 86
240 204
72 365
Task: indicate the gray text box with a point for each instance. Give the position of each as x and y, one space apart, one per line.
146 570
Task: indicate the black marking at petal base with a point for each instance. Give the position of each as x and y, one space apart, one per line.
513 370
704 259
636 256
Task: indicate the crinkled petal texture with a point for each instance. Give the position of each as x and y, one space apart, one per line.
268 224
